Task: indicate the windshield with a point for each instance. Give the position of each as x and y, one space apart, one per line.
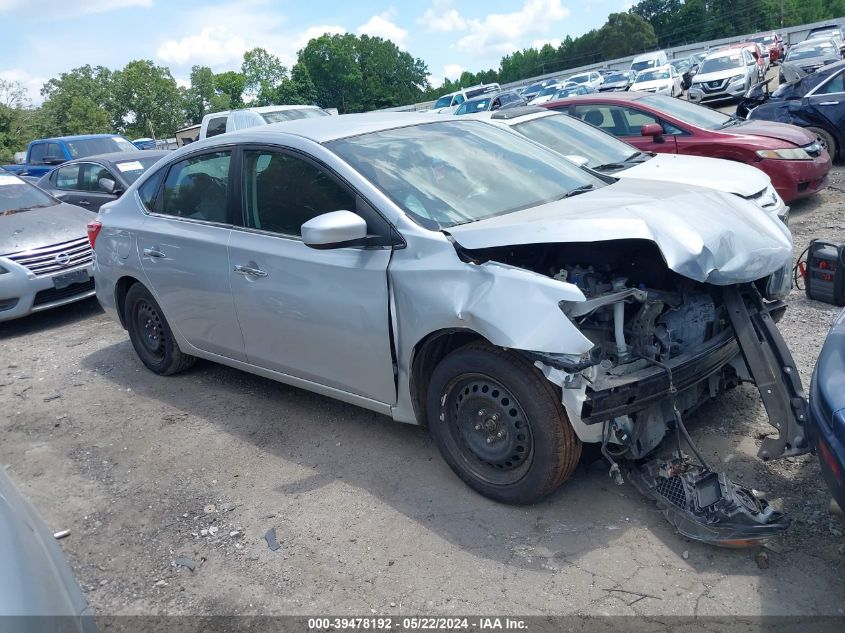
443 174
615 78
17 195
92 146
718 64
477 105
571 137
548 91
680 65
132 169
807 52
694 114
278 116
642 65
578 79
443 102
763 39
652 75
534 88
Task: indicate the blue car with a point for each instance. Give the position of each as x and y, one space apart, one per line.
827 410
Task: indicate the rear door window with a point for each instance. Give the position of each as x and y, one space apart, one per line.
91 174
197 188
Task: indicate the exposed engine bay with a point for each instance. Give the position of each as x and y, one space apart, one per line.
663 345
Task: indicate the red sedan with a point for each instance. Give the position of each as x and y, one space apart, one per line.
790 155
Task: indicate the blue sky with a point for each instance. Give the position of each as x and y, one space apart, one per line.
39 40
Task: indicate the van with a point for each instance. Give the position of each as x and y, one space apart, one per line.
231 120
645 61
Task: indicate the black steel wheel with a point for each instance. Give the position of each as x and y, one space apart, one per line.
150 334
500 425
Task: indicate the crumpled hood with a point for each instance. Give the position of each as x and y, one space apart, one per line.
714 173
42 227
792 134
705 235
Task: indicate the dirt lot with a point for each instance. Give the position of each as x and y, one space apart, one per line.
144 469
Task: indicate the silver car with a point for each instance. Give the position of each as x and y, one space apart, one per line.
45 255
725 74
446 272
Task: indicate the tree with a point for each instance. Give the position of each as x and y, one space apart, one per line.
147 100
229 87
299 89
79 102
201 95
263 73
332 64
19 123
625 34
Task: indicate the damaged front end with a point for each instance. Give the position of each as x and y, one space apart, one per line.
664 344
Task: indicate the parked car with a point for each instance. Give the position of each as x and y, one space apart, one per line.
438 271
617 81
645 61
793 158
758 53
494 101
45 257
686 67
532 90
599 151
661 80
40 592
570 90
829 31
827 409
811 55
547 93
448 103
815 102
773 43
45 153
724 75
93 181
231 120
590 79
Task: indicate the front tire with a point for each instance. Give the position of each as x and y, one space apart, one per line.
827 140
500 424
151 335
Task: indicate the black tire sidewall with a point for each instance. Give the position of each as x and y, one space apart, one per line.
542 413
136 294
828 138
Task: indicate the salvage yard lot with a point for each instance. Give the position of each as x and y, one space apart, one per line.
144 469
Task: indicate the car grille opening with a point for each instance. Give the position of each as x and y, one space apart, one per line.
56 257
57 294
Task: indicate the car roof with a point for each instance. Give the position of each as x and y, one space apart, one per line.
79 137
724 52
651 70
276 108
119 157
324 129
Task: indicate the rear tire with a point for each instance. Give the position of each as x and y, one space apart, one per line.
500 424
151 335
827 140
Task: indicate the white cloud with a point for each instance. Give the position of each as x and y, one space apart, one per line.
555 42
313 32
382 25
503 33
63 8
182 83
31 83
213 46
452 71
441 16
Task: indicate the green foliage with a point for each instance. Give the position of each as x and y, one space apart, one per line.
263 73
79 102
298 90
625 34
229 87
356 74
199 98
146 101
19 123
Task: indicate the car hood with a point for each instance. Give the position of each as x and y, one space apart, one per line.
614 84
704 235
42 227
719 75
819 60
713 173
651 84
780 131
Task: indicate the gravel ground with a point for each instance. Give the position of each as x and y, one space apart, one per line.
144 470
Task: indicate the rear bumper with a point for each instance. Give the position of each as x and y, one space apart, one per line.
22 293
796 179
829 447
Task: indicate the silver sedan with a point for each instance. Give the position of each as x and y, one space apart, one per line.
450 273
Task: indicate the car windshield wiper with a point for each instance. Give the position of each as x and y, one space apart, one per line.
576 191
730 123
621 165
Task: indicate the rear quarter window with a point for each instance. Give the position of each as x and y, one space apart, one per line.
148 192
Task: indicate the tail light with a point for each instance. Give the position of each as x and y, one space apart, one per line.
94 227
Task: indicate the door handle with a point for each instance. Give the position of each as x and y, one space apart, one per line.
153 252
249 271
828 103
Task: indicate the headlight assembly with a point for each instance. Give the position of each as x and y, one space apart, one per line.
787 153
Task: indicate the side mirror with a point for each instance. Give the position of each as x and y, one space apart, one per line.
578 161
652 129
336 229
109 186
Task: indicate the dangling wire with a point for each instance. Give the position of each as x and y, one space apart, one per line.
800 269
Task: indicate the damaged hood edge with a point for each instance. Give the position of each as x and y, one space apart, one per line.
704 235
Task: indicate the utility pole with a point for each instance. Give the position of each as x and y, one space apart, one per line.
781 15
